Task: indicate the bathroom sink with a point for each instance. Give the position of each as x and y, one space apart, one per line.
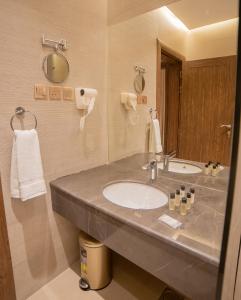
181 167
135 195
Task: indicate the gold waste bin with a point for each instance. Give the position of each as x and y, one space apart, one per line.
95 263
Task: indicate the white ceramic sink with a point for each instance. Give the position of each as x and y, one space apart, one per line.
135 195
181 167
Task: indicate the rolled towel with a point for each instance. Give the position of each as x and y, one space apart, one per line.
27 179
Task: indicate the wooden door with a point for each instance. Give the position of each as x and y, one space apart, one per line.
207 103
7 289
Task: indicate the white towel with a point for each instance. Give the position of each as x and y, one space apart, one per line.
26 166
155 144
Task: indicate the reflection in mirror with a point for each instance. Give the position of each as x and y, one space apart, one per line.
56 67
139 83
191 57
197 106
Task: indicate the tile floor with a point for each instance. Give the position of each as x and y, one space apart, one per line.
63 287
129 283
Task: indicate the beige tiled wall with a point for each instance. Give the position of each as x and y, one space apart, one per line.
42 243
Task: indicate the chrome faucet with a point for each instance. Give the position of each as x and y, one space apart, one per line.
167 158
152 166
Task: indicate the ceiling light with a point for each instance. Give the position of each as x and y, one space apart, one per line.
173 19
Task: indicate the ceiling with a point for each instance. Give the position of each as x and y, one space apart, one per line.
196 13
121 10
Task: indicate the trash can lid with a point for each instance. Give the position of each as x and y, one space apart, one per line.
87 240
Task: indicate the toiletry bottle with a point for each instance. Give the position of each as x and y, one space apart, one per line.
192 191
182 191
178 198
214 171
183 206
172 201
210 166
206 169
218 165
189 201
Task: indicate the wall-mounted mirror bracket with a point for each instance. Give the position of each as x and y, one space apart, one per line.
140 69
57 45
55 65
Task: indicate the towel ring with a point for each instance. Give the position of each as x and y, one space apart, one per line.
19 111
151 111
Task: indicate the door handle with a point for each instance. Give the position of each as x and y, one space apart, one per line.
228 129
228 126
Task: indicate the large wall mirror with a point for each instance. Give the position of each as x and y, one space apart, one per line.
189 52
191 83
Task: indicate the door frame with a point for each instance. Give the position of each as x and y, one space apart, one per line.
7 287
160 105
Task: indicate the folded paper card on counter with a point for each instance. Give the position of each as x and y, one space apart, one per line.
170 221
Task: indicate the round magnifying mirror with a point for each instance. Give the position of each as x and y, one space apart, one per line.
139 83
56 67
